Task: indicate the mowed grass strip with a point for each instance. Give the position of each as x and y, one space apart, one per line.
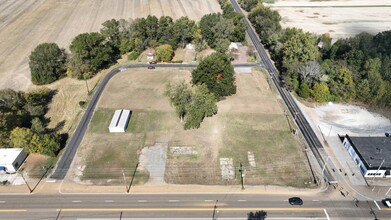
277 154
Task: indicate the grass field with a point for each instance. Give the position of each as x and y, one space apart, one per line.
250 121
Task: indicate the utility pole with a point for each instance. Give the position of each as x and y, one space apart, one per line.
88 90
324 167
123 174
214 210
373 179
242 171
21 174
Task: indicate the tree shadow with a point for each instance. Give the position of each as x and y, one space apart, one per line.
258 215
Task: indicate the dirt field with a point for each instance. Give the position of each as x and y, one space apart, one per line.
250 121
26 23
339 18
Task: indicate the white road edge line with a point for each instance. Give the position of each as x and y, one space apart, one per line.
242 200
109 200
377 205
141 200
76 201
327 215
2 201
209 200
315 200
173 200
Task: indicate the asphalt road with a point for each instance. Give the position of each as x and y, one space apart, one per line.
182 206
66 159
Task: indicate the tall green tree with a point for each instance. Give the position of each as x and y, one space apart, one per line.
111 32
183 31
217 73
90 53
203 104
165 31
207 23
21 138
376 84
247 5
320 92
266 23
180 96
164 53
47 63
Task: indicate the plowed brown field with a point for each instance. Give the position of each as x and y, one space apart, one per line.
26 23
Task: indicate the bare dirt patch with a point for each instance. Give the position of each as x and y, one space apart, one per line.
339 18
334 119
26 23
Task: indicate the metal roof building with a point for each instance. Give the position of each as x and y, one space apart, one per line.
120 120
11 159
371 154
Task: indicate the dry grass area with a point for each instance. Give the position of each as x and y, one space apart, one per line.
251 120
339 18
26 23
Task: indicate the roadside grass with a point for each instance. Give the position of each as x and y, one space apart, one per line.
101 120
276 152
112 155
40 166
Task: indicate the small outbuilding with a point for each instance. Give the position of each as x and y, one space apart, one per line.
11 159
120 120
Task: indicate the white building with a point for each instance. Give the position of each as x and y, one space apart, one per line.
11 159
120 120
234 46
371 154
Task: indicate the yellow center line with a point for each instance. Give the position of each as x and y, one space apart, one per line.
13 210
183 209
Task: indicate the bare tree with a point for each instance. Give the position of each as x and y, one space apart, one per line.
311 72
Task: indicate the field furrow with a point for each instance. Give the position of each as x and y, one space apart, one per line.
26 23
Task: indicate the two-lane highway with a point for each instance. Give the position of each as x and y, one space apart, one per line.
181 206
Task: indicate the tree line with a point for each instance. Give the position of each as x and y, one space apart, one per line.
355 68
92 52
23 125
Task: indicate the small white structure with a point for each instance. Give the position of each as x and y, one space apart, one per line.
150 56
119 121
190 46
234 46
11 159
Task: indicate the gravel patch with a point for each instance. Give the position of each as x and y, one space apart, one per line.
153 159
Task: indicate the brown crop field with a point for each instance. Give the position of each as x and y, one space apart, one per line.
26 23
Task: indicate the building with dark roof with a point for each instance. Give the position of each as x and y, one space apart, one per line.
371 154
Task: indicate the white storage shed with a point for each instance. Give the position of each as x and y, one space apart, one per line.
11 159
119 121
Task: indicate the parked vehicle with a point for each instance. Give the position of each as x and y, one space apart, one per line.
152 62
295 201
388 134
151 67
387 202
